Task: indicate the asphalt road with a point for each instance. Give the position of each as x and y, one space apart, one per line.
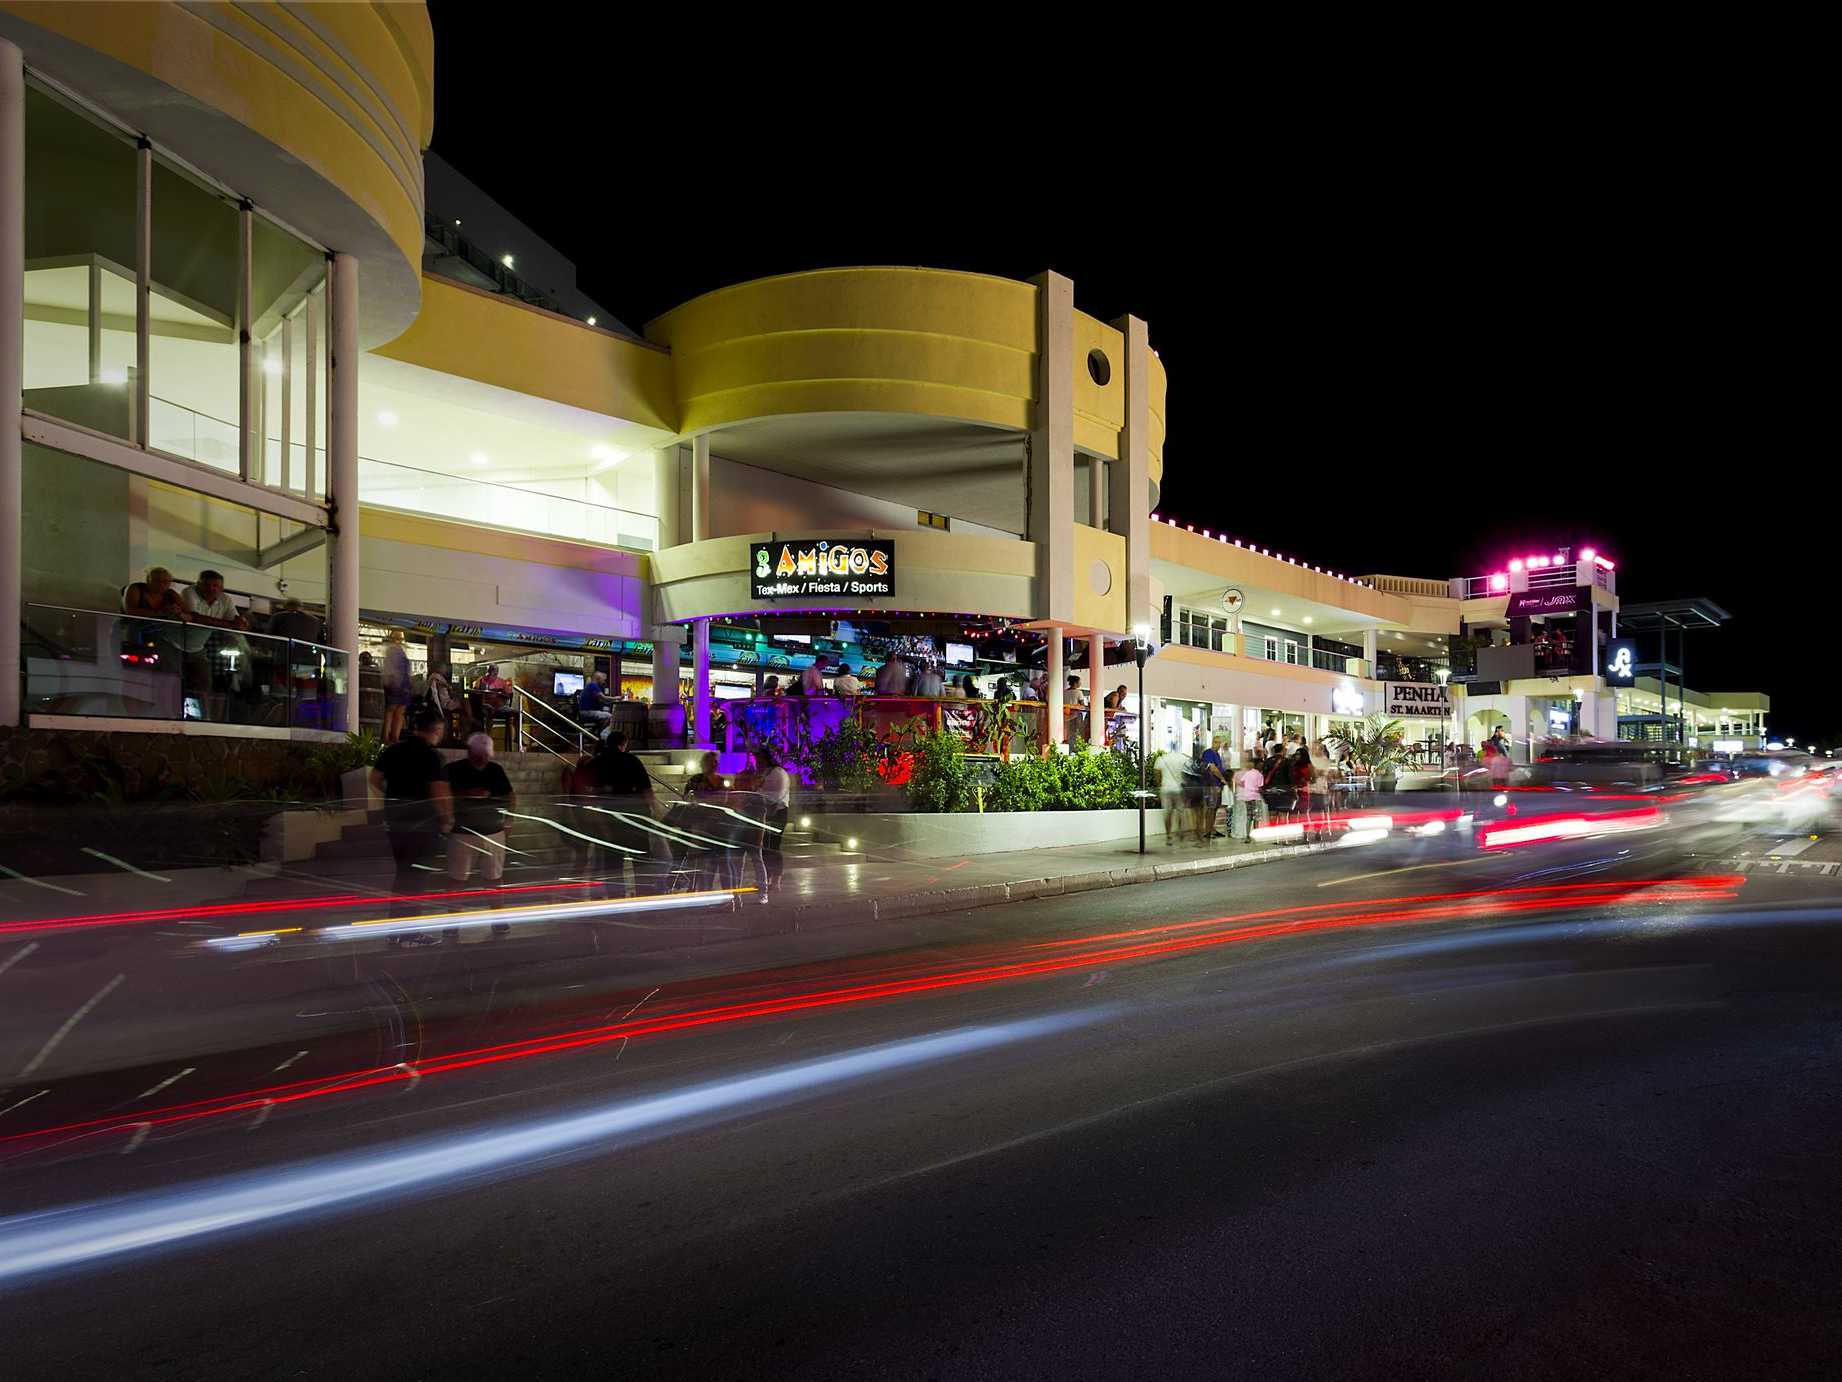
1581 1121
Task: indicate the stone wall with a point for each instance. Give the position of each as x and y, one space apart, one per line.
81 764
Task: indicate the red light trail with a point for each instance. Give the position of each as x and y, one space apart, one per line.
1149 943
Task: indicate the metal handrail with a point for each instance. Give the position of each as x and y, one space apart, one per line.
525 724
186 624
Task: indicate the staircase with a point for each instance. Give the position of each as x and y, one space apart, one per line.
361 857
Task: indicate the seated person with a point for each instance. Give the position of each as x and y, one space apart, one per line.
592 701
892 677
928 683
846 683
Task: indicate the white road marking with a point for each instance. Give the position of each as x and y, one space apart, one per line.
285 1064
1410 868
58 1036
17 956
1790 849
39 882
170 1079
23 1102
124 864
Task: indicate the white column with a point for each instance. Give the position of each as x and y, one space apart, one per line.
1096 493
12 351
1371 644
700 488
1096 668
143 286
1129 479
665 496
249 443
1049 475
1053 676
342 599
700 684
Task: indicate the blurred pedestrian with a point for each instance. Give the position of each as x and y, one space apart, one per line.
418 811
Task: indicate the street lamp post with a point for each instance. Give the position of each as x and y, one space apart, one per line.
1141 645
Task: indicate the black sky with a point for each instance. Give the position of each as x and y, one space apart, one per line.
1409 328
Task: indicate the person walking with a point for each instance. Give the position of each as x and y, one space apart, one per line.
776 788
812 680
1214 779
1171 770
621 780
418 811
482 794
398 690
1249 799
892 677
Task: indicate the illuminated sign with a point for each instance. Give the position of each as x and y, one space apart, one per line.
1567 600
1560 719
1346 700
807 567
1417 700
1728 746
1621 662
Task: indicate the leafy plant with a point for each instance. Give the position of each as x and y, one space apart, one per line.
846 757
940 779
1080 780
1376 744
994 725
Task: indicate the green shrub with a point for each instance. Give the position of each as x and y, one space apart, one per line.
941 779
846 757
1080 780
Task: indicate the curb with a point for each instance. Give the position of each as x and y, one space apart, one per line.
996 894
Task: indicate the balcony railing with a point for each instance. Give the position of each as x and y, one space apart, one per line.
120 666
1397 667
492 504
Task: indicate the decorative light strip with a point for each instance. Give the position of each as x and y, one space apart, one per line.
1225 540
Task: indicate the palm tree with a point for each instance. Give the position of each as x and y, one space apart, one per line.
1375 744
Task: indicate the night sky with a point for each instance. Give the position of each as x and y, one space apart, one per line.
1410 335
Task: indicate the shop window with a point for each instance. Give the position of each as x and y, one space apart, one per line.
193 360
288 328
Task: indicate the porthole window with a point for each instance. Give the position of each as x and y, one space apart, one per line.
1098 367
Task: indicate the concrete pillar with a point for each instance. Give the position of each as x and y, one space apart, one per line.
1096 693
1096 493
1371 645
12 364
1053 677
1129 478
665 466
666 640
342 598
1049 474
700 488
700 684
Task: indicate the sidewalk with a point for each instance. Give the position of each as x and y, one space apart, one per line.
813 896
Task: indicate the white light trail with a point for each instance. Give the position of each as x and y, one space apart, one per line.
33 1244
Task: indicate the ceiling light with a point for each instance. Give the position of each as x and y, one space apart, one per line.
115 374
591 321
457 220
1275 614
1305 620
479 458
506 260
387 418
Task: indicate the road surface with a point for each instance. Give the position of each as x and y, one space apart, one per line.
1402 1111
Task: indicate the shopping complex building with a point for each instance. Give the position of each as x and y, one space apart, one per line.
254 330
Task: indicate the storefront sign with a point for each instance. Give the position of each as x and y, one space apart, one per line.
1417 700
1560 719
808 567
1620 662
1346 700
1570 600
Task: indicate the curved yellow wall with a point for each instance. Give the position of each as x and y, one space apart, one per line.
345 89
926 341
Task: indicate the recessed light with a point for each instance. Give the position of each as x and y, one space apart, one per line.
506 260
480 458
1305 620
1275 613
591 321
387 418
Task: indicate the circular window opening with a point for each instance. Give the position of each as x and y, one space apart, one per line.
1097 367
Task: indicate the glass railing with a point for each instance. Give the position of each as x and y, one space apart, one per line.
120 666
492 504
1395 667
1331 660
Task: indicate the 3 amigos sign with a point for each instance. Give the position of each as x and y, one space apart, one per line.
821 567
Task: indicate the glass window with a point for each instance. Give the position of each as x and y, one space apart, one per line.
80 195
193 360
287 277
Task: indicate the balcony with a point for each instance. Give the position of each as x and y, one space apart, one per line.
89 663
1397 667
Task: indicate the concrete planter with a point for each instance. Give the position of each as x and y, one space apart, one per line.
988 832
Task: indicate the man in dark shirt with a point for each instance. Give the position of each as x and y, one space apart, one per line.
418 809
623 777
482 795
